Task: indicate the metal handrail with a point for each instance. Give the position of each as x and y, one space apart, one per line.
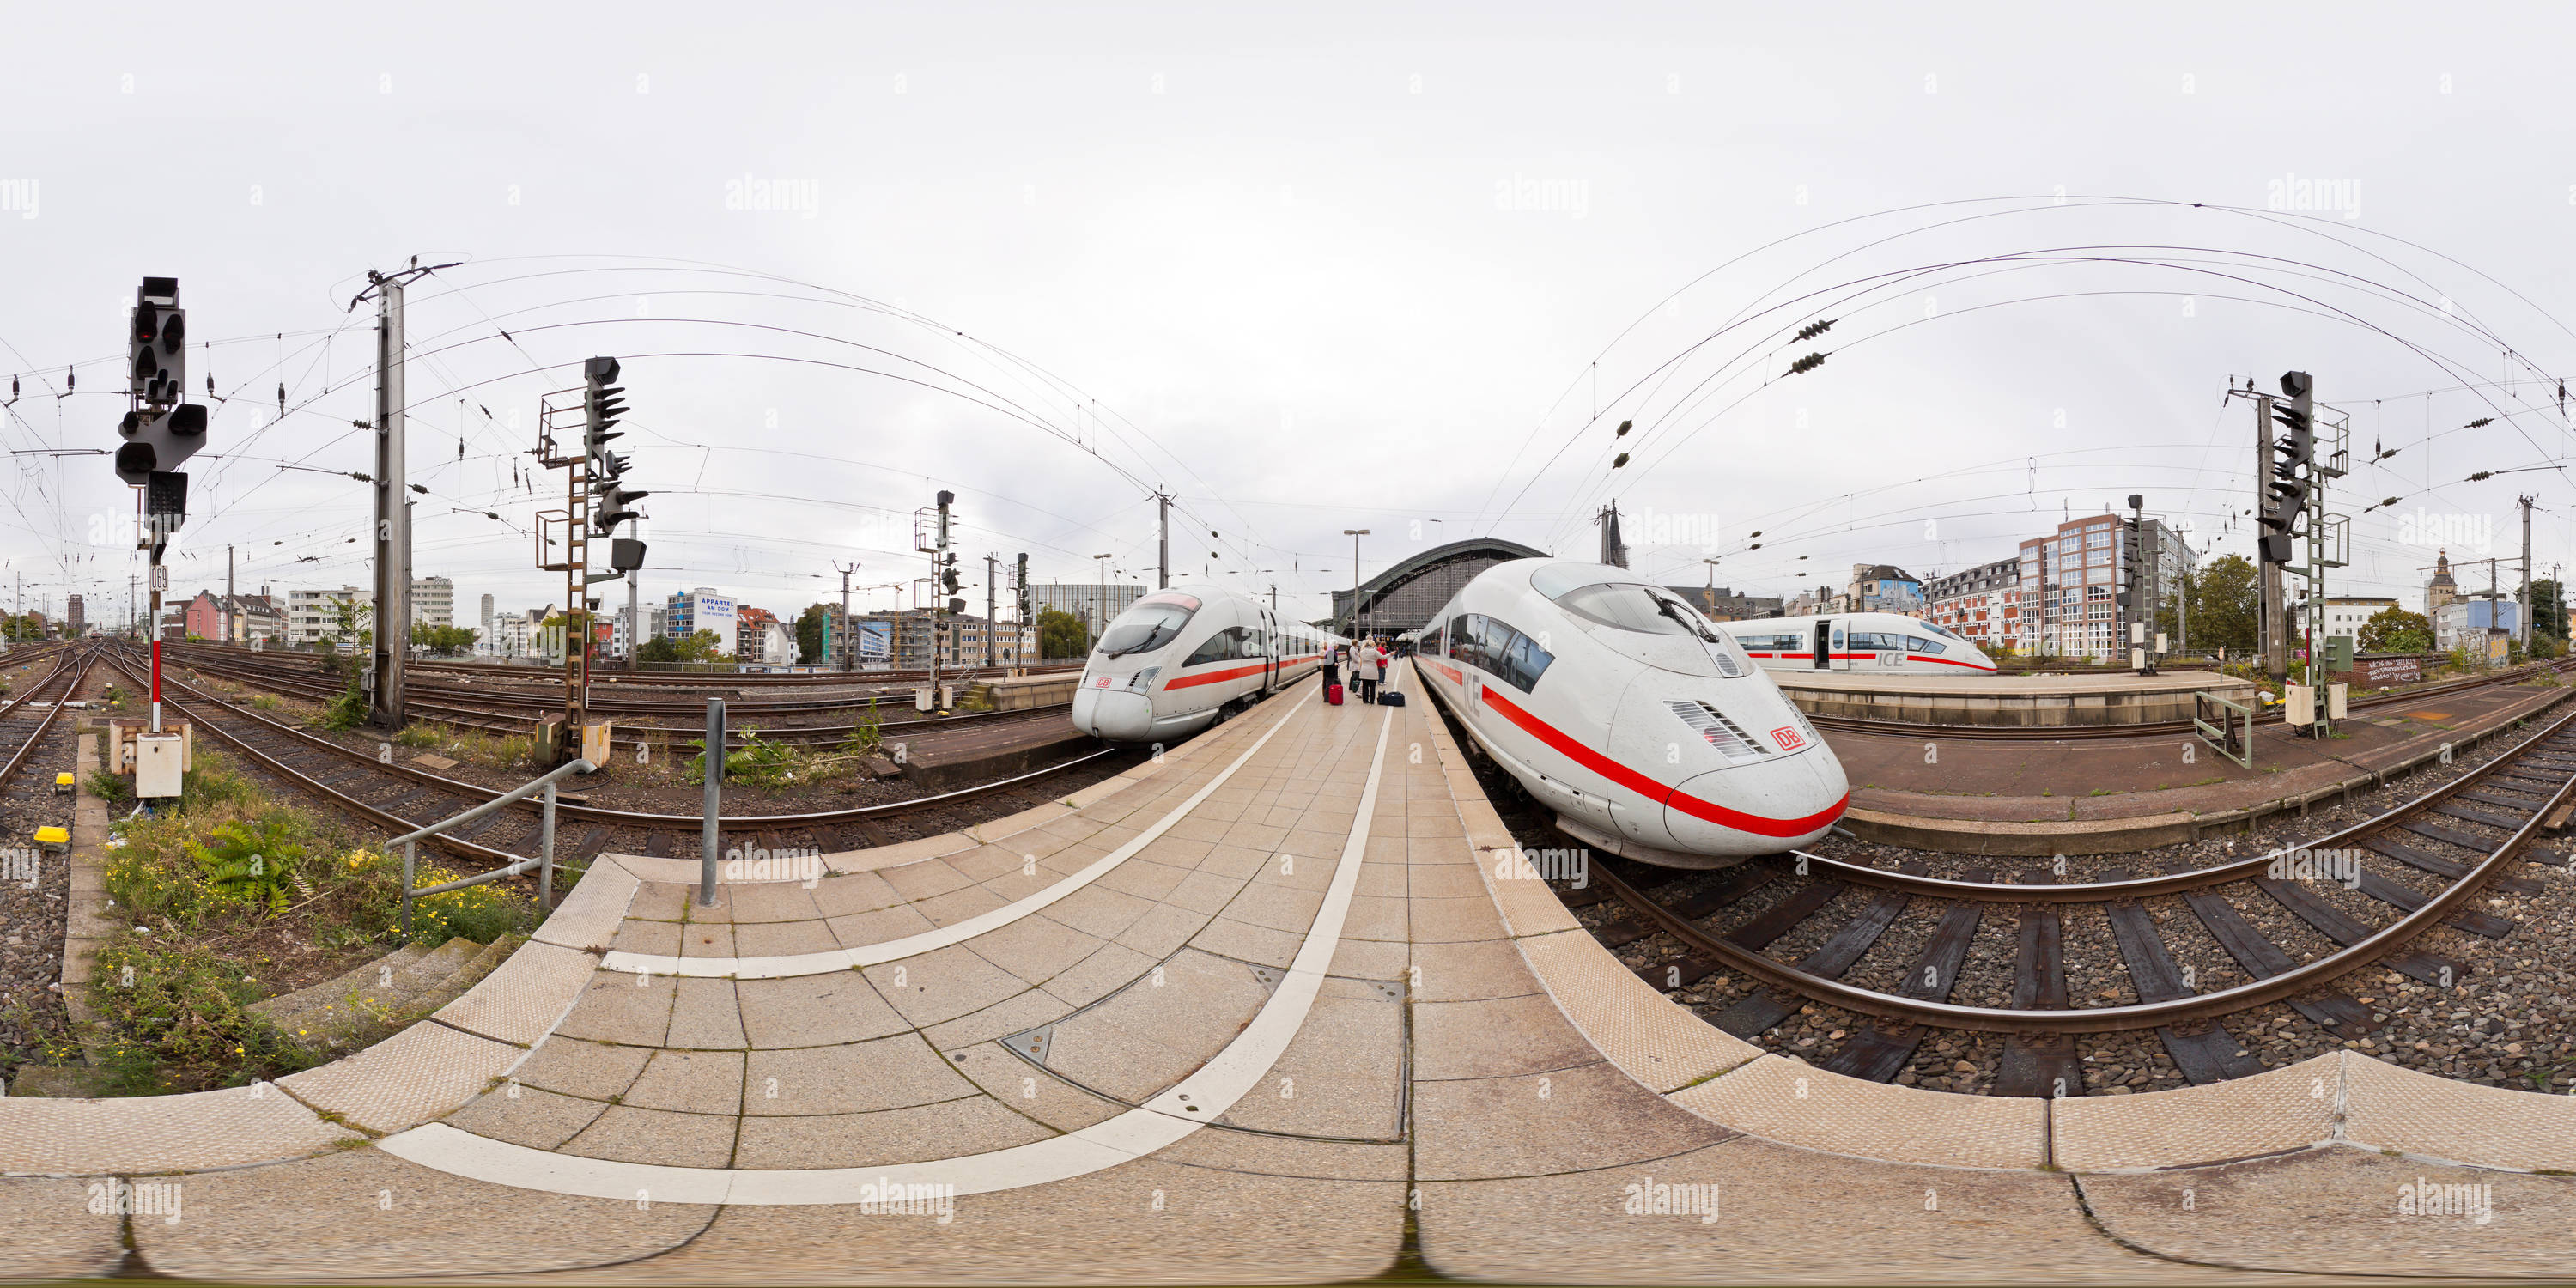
544 862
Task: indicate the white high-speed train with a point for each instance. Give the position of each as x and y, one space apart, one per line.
1632 715
1887 642
1182 659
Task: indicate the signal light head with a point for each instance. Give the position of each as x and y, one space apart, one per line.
2296 384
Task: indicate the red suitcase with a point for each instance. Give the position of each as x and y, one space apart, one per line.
1332 695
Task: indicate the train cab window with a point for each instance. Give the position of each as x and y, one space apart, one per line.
1152 624
1918 644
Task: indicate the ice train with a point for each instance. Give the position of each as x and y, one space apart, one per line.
1182 659
1640 722
1878 642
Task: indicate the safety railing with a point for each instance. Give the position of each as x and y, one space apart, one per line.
544 862
2233 734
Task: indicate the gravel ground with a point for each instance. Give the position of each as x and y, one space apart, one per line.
32 913
2510 1022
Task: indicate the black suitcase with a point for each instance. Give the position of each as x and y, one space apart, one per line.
1390 699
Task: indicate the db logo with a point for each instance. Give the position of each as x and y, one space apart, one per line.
1101 683
1788 738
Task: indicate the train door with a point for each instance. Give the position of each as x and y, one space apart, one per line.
1841 648
1269 651
1824 652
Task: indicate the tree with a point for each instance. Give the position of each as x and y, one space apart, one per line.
809 632
2394 630
349 629
657 649
2225 605
446 641
701 646
1062 634
2548 609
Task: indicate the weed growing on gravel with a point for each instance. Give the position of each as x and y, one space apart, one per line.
346 712
420 735
266 702
111 788
760 763
176 1017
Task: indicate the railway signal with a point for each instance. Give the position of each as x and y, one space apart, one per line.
160 433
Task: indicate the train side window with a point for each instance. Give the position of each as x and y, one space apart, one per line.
1514 658
1462 639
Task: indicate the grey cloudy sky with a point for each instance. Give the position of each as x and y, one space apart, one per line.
1310 268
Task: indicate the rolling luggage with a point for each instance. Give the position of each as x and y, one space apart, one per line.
1390 698
1332 695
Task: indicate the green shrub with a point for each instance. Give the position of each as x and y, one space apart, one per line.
419 735
760 763
111 788
346 712
252 864
266 702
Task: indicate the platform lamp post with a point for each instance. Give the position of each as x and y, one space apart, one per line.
1355 534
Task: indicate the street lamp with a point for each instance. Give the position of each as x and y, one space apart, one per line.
1355 534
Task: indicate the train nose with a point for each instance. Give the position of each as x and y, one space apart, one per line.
1113 714
1762 808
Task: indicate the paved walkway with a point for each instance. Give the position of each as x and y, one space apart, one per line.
1233 1017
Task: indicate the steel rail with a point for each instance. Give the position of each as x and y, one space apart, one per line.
1810 864
601 814
465 716
1873 727
2106 1019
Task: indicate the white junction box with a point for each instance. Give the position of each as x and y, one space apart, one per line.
160 762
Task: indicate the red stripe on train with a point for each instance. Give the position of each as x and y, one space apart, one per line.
1636 782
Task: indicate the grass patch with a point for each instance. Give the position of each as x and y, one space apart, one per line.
267 702
111 788
218 894
481 913
419 735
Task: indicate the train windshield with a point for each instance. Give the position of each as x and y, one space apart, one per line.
1154 622
1650 610
1936 629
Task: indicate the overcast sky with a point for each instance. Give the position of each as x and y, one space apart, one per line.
1308 269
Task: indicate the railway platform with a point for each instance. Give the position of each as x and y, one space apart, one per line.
2040 796
2009 700
1242 1014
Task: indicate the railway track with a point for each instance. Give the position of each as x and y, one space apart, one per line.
401 797
510 714
2459 837
653 679
2159 728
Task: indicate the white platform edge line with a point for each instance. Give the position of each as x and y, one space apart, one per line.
1216 1086
781 967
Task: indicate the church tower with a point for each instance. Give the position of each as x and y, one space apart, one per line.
2441 590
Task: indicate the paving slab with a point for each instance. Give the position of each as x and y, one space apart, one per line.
61 1228
204 1129
2340 1212
422 1073
365 1214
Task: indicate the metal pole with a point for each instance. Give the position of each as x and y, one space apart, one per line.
2275 641
546 851
634 615
992 607
2522 628
410 856
393 519
707 840
1163 555
848 642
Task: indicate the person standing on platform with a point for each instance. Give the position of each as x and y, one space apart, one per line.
1363 675
1379 656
